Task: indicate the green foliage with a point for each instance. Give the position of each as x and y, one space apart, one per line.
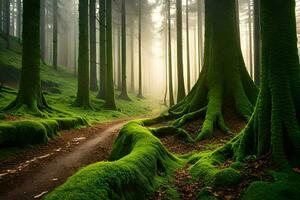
227 178
138 163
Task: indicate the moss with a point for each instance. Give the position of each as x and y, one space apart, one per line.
227 178
286 186
205 194
137 162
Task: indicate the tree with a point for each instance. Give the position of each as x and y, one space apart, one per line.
224 80
257 41
93 47
274 126
132 85
55 34
19 20
140 93
250 37
7 23
171 96
1 15
43 31
188 48
200 34
83 90
102 24
110 93
124 94
30 95
180 79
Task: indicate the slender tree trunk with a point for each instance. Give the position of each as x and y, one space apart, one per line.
188 48
55 34
166 56
83 92
200 34
257 41
110 94
102 24
132 58
42 31
171 95
250 38
180 77
140 93
7 21
93 47
19 20
274 126
1 16
124 94
30 94
119 58
75 38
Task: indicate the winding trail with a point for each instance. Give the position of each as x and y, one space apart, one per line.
33 174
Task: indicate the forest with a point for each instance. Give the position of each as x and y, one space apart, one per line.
150 99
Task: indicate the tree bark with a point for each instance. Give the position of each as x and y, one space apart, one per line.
19 20
274 126
110 93
188 48
257 42
171 95
55 34
224 80
83 90
250 38
180 78
30 94
124 94
132 85
102 24
200 34
140 93
93 47
7 21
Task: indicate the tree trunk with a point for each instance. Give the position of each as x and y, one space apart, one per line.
19 20
102 24
7 21
200 34
30 94
132 85
93 47
55 34
274 126
119 59
83 92
257 41
140 93
250 38
171 96
224 80
1 16
124 94
188 48
180 78
110 93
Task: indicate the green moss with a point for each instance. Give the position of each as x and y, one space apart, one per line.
204 194
286 186
137 163
227 178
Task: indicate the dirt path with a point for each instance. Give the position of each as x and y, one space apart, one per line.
40 170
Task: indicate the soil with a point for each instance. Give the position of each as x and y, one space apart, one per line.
36 172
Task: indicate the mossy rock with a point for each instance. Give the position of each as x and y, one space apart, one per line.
227 178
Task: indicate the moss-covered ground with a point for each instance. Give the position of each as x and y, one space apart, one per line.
148 162
21 129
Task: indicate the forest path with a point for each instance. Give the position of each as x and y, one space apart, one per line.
37 172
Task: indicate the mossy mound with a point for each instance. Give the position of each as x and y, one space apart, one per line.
138 164
227 178
29 132
286 186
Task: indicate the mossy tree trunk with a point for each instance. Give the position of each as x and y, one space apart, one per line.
93 47
257 41
83 90
43 31
30 95
180 78
55 34
124 94
274 126
110 93
102 75
224 79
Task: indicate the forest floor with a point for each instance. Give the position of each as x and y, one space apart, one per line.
34 173
185 187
